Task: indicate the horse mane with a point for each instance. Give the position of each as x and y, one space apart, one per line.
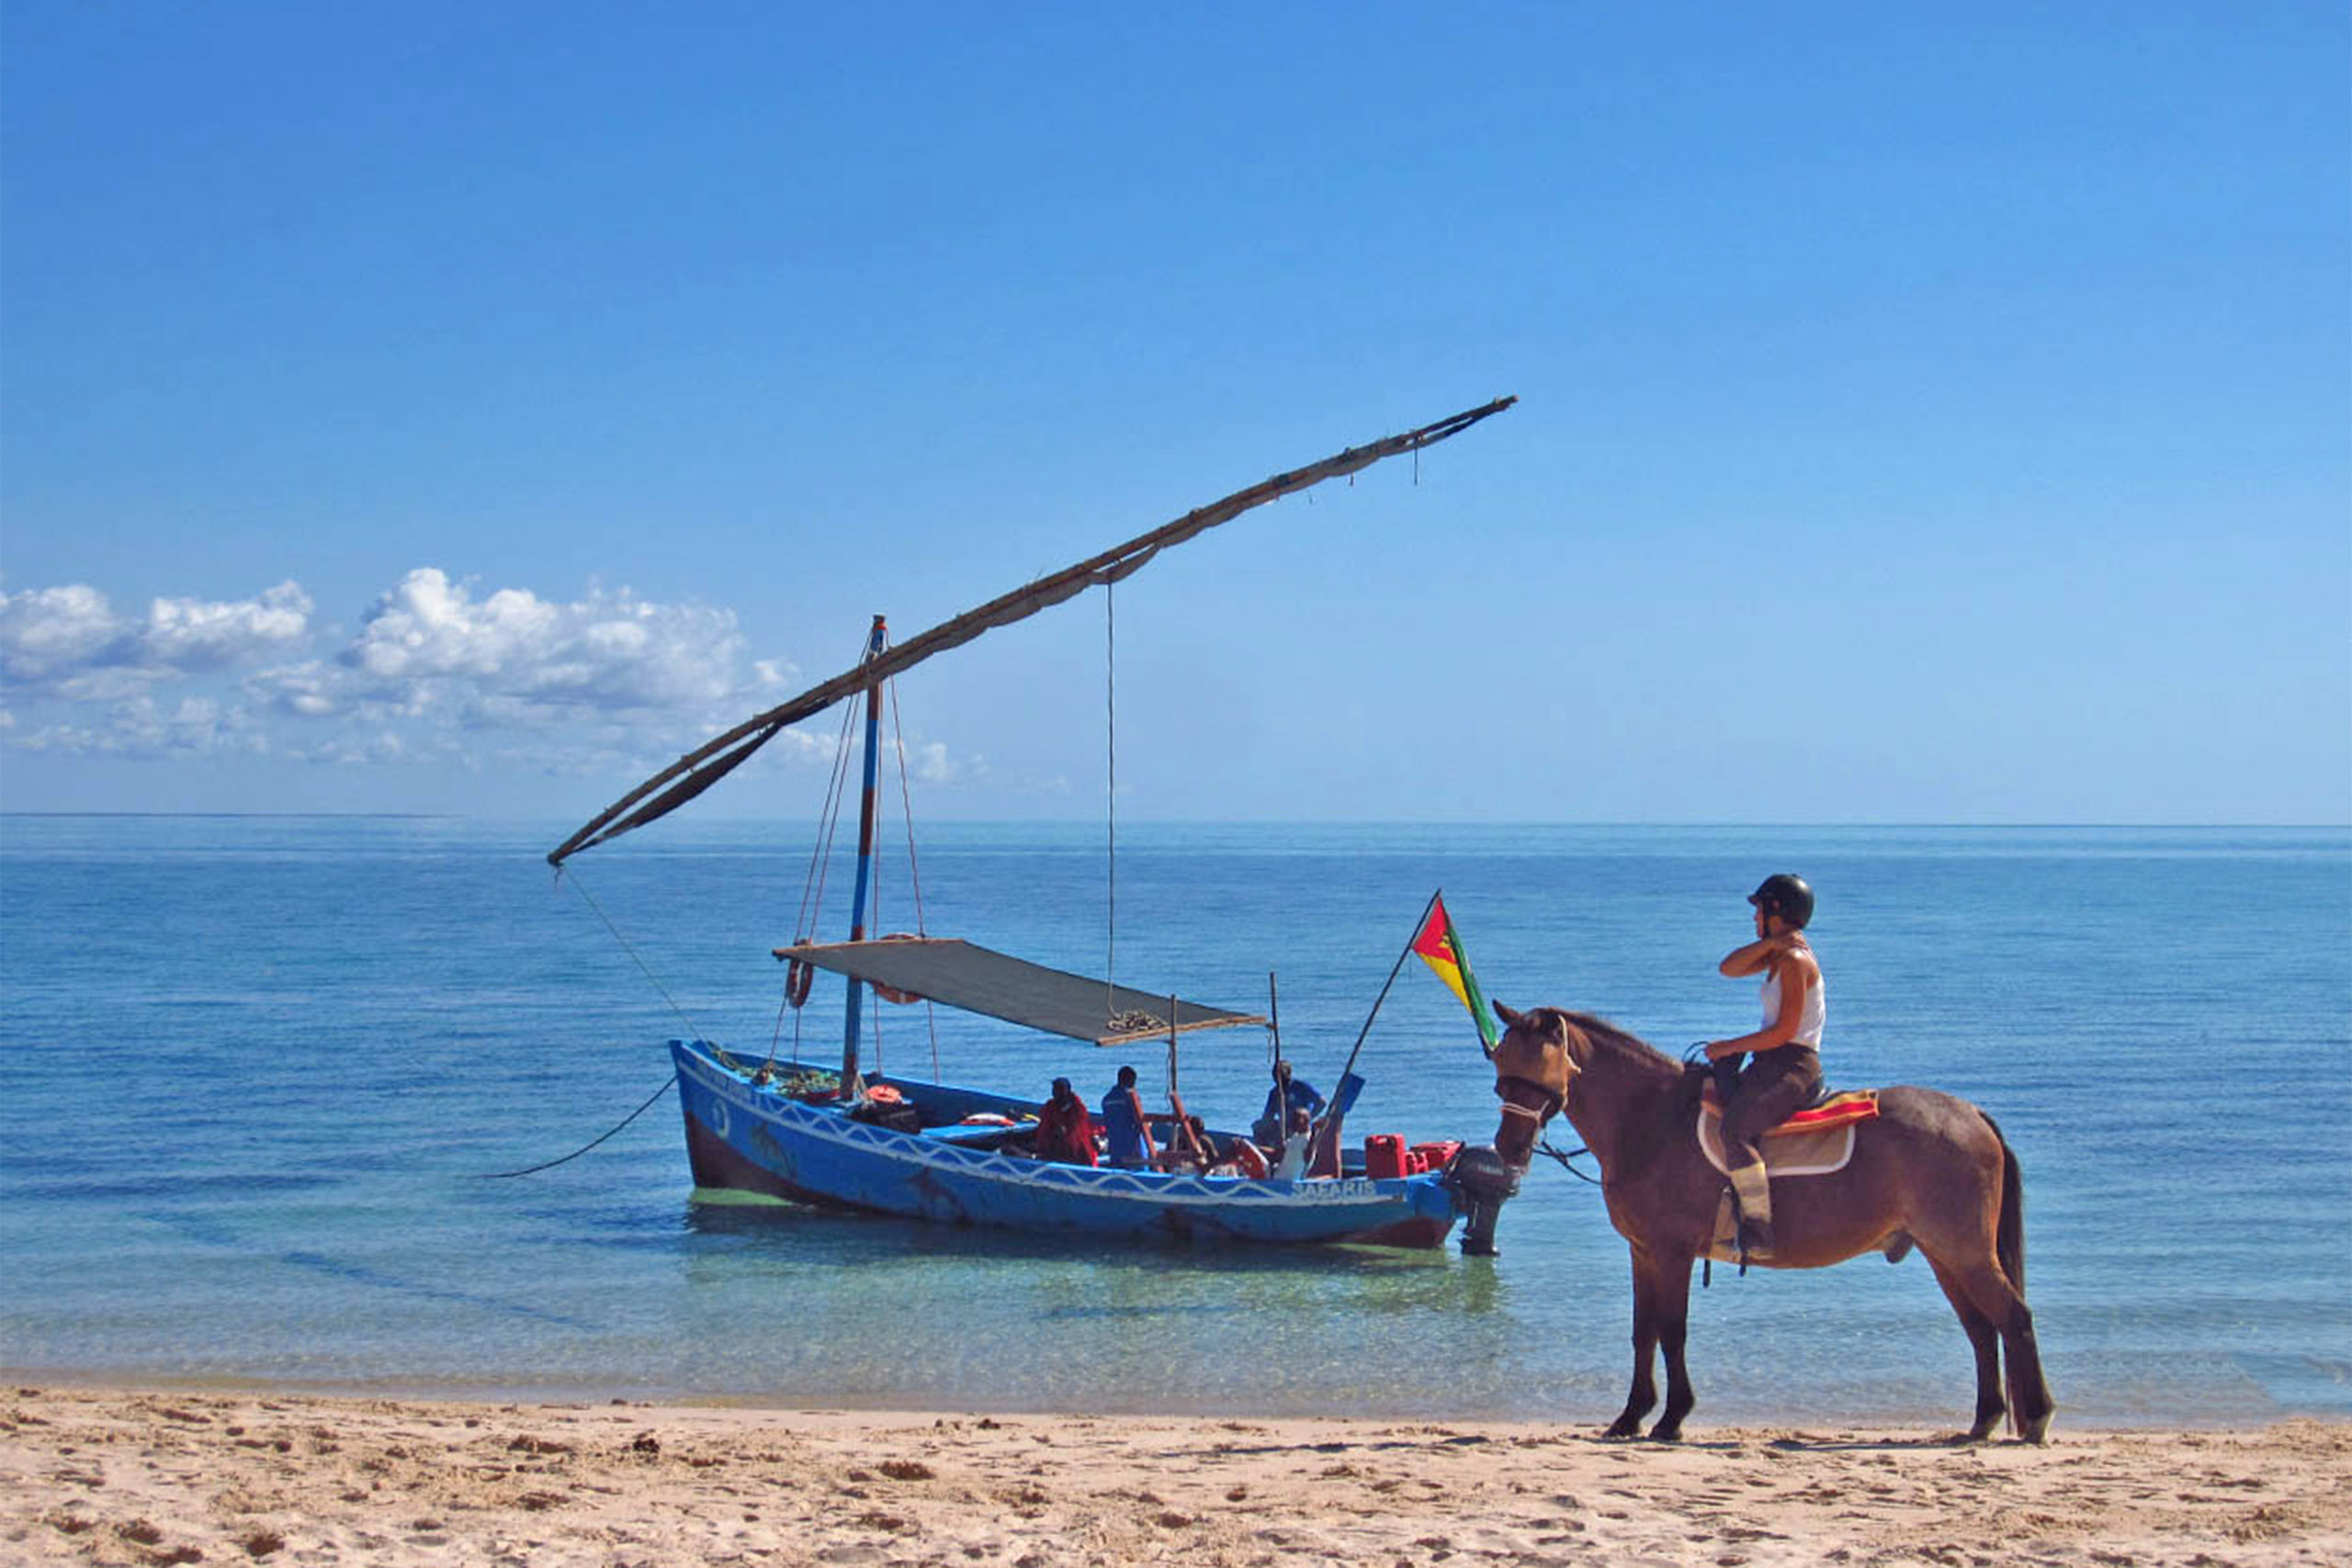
1635 1052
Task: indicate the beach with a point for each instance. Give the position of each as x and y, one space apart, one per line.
164 1476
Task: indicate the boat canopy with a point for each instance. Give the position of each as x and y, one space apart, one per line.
976 979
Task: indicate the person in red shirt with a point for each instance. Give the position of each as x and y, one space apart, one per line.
1065 1131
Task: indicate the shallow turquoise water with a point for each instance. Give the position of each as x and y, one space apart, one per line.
252 1069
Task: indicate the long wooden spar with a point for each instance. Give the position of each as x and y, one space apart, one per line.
698 769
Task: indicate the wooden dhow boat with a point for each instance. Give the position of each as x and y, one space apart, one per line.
807 1131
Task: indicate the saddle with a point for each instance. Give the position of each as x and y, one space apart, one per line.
1815 1142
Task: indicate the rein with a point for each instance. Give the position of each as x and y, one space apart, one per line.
1546 1149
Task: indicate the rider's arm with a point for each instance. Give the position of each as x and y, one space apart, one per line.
1797 965
1742 962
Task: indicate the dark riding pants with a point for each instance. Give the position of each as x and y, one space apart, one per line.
1777 1085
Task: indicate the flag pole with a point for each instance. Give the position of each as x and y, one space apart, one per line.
1393 971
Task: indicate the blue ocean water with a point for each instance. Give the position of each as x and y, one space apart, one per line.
252 1071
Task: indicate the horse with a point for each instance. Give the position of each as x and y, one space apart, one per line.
1930 1170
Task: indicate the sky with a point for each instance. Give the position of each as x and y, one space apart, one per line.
1927 413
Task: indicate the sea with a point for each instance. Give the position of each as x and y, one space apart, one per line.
263 1079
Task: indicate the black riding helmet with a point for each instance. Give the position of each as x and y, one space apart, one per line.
1787 897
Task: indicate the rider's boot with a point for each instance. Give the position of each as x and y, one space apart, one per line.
1754 1193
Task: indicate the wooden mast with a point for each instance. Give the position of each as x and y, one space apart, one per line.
875 645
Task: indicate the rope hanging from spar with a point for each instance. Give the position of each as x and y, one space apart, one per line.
914 875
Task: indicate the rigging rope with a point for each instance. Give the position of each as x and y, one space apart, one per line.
796 976
692 1031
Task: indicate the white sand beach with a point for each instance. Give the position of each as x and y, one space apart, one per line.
130 1477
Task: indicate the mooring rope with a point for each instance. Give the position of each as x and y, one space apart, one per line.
550 1164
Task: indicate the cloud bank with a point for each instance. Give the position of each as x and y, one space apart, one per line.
434 670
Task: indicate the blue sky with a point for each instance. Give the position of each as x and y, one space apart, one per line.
1928 414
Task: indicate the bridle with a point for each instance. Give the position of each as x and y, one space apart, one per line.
1552 1105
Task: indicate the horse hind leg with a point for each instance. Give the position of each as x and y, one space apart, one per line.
1999 1304
1985 1339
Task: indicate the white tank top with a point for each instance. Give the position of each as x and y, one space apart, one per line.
1816 1011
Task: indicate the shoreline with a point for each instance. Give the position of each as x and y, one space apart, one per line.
157 1474
489 1392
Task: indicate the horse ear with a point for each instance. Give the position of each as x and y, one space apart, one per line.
1509 1016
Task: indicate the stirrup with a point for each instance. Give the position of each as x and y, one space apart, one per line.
1754 1242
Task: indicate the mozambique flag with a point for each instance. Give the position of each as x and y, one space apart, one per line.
1440 949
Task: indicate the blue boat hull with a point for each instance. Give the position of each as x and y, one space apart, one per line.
744 1136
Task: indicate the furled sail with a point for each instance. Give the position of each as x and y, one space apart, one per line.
698 769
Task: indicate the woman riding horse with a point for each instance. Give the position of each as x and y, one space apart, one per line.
1929 1171
1784 1077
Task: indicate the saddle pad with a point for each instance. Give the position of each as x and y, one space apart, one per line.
1815 1142
1847 1105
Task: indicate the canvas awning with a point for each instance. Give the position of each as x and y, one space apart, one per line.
975 979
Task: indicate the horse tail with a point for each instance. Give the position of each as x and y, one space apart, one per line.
2008 1250
2008 1236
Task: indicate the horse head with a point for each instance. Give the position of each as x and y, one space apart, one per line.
1535 1065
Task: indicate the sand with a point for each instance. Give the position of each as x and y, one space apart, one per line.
108 1476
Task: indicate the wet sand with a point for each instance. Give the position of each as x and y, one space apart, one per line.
108 1476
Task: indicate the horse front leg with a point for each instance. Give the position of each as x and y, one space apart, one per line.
1670 1310
1643 1393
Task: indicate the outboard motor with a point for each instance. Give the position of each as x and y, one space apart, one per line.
1481 1182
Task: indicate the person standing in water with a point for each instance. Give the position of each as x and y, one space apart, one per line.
1784 1074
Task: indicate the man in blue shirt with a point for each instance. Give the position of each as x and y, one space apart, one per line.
1283 1101
1126 1136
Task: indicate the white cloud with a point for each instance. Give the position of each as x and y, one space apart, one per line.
606 685
142 726
48 635
72 642
191 635
514 659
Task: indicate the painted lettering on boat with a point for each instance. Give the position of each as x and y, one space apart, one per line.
1326 1191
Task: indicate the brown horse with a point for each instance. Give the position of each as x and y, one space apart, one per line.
1930 1170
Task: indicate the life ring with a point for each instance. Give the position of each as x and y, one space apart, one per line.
891 993
796 981
883 1094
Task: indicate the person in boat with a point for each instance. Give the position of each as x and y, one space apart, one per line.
1289 1096
1783 1074
1065 1131
1127 1133
1187 1152
1244 1158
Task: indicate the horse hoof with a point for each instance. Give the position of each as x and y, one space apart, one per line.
1662 1433
1624 1429
2036 1432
